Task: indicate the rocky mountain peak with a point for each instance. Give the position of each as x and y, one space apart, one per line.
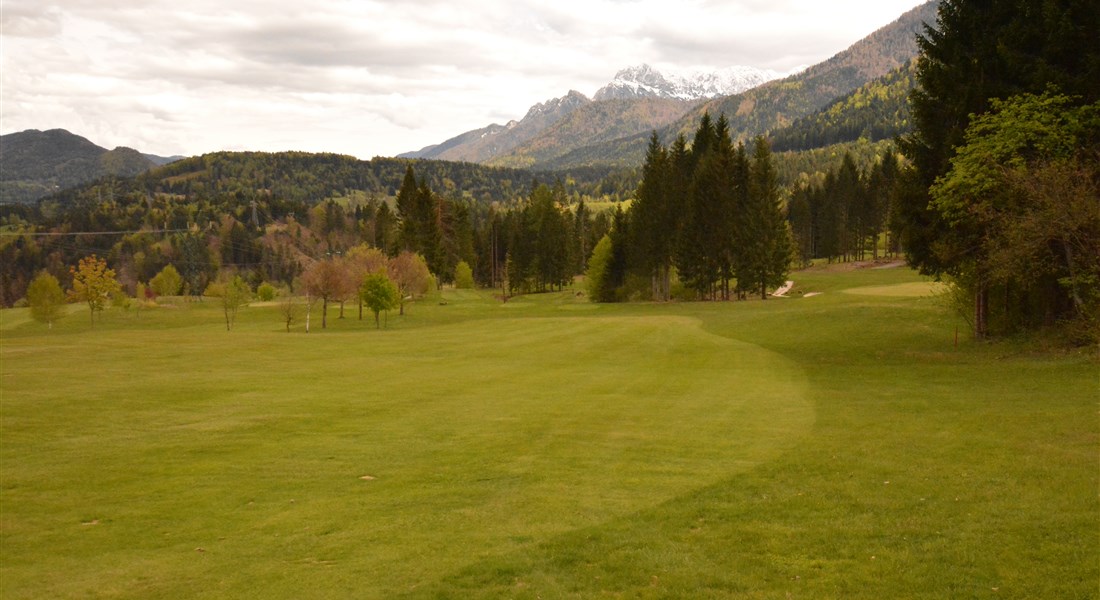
643 81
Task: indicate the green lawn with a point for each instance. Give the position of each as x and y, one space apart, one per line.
837 445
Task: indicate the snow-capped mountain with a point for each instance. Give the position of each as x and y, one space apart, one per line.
645 81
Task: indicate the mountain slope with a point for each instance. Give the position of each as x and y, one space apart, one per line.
646 98
36 163
778 103
878 110
593 123
483 144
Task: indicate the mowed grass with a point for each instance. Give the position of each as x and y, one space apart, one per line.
838 445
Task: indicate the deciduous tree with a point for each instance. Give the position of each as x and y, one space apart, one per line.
93 284
464 276
379 294
46 299
324 279
410 274
167 282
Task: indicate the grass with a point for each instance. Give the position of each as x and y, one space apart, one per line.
838 445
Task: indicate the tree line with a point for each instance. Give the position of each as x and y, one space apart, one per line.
1002 198
849 215
709 216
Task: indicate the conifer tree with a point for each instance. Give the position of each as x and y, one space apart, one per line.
652 240
408 198
698 253
770 247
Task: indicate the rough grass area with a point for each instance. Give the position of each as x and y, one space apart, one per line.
828 446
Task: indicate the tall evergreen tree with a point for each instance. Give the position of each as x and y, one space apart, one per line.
770 247
741 224
652 240
699 252
408 199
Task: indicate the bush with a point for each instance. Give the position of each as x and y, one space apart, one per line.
266 292
167 282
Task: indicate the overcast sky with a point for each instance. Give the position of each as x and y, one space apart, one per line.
368 78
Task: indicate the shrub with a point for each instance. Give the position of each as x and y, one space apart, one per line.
266 292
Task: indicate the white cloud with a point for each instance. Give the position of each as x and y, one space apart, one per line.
373 77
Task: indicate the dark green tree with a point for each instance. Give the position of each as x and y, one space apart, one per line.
654 225
770 246
408 200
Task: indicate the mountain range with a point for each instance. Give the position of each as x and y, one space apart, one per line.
643 81
859 93
577 131
652 99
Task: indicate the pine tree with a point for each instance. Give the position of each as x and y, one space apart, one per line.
408 198
770 247
699 251
652 242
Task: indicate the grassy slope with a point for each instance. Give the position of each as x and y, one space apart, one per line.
831 446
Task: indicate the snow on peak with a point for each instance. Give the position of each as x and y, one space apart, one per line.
646 81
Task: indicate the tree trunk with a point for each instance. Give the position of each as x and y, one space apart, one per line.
981 311
1078 303
324 313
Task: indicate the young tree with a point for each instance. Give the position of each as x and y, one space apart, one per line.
464 276
167 282
235 294
596 275
93 284
288 308
379 294
410 274
324 279
46 299
363 260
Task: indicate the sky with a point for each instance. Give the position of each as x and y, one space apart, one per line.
369 77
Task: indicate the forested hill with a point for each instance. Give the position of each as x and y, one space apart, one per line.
37 163
308 178
777 104
876 111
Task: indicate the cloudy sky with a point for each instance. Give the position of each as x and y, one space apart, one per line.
368 77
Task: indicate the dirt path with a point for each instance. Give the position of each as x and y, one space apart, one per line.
783 289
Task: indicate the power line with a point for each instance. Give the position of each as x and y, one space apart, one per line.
75 233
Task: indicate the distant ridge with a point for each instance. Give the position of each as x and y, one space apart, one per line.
34 164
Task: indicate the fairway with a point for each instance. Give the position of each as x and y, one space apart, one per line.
828 447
